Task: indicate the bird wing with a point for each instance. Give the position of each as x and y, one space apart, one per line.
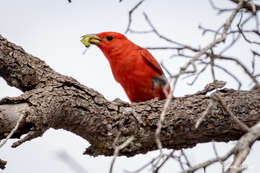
149 59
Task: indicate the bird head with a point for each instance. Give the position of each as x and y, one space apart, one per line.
107 41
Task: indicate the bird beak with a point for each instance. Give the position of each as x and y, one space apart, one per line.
90 39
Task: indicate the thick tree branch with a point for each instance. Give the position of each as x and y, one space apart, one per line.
22 70
55 101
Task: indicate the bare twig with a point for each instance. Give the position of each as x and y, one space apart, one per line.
257 22
212 65
206 30
13 131
235 38
117 150
166 69
164 48
253 64
130 15
233 117
208 162
181 164
198 74
220 10
245 38
162 36
255 53
30 135
243 148
159 124
248 6
217 156
186 158
144 166
206 112
220 57
140 32
163 162
229 73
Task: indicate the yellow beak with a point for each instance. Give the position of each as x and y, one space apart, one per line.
90 39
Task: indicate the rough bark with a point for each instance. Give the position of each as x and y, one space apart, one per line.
52 100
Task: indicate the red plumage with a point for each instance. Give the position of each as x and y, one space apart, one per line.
133 67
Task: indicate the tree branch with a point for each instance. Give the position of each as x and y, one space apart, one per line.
55 101
250 6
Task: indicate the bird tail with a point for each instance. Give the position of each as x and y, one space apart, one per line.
161 87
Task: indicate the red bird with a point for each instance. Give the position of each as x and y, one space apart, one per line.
133 66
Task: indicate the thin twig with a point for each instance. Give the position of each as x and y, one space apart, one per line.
144 166
181 164
13 130
212 65
229 73
186 158
117 150
139 32
220 10
245 38
163 162
198 74
130 15
159 124
243 148
253 64
166 70
233 117
164 48
217 156
248 6
162 36
206 112
255 53
208 162
236 37
220 57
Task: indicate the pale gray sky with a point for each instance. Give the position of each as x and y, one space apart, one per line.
51 30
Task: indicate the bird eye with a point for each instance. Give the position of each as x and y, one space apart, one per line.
109 38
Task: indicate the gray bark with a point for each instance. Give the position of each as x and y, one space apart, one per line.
52 100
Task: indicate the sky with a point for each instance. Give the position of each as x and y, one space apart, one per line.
51 30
